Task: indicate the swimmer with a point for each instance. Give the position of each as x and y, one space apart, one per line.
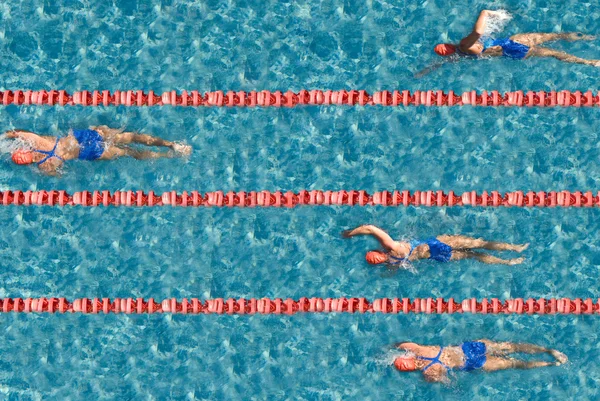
435 362
443 248
518 47
96 143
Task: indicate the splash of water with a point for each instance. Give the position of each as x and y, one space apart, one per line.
8 146
496 21
388 358
392 270
404 265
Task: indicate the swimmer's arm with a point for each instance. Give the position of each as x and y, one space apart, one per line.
478 31
27 136
436 375
383 237
435 66
428 69
49 168
480 24
19 133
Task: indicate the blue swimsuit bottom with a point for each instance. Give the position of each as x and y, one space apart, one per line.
91 144
437 251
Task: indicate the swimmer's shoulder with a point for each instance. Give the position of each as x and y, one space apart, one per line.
473 50
471 44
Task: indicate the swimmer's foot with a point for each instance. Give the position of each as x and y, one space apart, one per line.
559 356
520 248
184 150
516 261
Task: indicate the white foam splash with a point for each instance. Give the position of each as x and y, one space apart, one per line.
404 265
7 146
388 358
496 21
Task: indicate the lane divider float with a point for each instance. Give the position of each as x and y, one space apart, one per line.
241 306
265 98
302 198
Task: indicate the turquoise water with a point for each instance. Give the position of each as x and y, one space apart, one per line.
167 252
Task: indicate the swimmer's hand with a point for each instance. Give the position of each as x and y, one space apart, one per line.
16 133
492 13
184 150
347 234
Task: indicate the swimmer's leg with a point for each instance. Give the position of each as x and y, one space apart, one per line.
114 152
504 348
493 364
484 258
113 136
562 56
126 138
464 242
148 140
534 39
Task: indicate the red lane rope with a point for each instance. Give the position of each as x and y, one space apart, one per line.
288 306
303 198
266 98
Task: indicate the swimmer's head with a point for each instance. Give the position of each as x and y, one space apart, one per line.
444 49
376 257
22 156
405 363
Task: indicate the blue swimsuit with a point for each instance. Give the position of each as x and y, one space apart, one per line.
510 48
91 144
50 154
437 251
474 357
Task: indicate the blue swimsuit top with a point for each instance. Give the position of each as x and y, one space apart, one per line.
91 146
475 357
433 361
50 154
437 251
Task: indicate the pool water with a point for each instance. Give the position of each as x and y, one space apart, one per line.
164 252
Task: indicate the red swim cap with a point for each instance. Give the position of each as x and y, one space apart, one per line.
405 364
376 257
22 156
445 49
